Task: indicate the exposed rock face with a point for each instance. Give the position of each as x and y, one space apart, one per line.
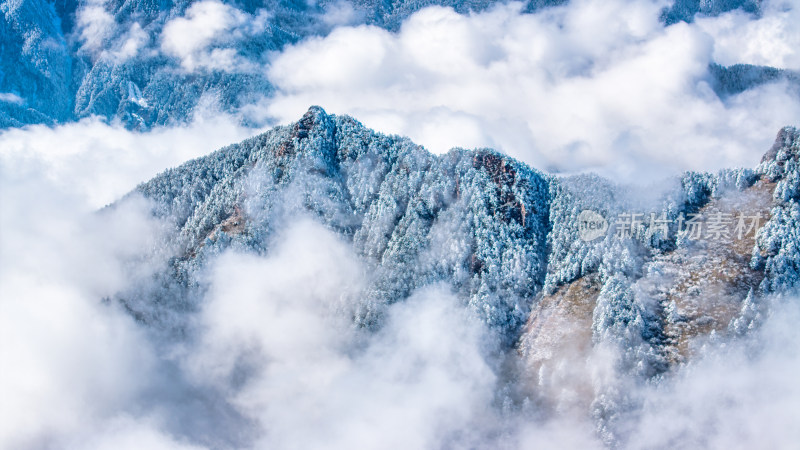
506 239
674 295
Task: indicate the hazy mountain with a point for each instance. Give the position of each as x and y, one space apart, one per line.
685 10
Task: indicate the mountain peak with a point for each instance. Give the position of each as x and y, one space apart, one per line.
786 150
314 117
507 241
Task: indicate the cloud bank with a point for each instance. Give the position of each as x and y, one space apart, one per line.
100 162
286 351
69 360
197 38
592 85
10 97
770 40
275 362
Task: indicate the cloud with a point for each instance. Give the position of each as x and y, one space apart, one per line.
70 360
208 23
340 12
102 162
592 85
96 25
738 394
279 339
10 97
102 37
128 433
82 373
770 40
130 43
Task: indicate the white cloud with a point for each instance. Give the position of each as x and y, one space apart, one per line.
102 37
736 395
340 13
280 340
593 85
129 433
206 23
70 362
96 25
130 43
10 97
82 373
102 162
770 40
203 22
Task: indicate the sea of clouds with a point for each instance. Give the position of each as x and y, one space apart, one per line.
275 361
599 86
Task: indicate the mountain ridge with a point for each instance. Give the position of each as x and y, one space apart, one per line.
357 169
505 239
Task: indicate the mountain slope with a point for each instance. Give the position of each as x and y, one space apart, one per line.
496 230
506 240
475 219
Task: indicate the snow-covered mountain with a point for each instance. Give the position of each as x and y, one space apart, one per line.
152 63
325 284
509 241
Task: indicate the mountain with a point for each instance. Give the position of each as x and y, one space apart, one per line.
149 63
727 81
477 219
685 10
668 268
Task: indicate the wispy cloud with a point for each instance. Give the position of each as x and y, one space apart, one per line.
770 40
100 162
95 25
10 97
192 38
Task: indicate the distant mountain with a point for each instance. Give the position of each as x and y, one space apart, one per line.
685 10
554 265
62 61
58 73
735 79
